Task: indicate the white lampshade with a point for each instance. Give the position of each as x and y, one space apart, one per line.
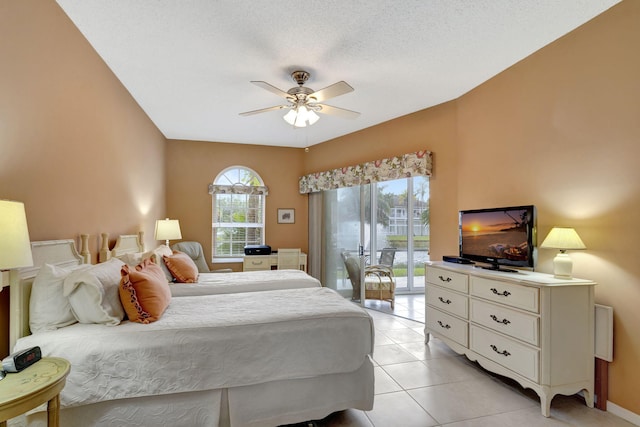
168 229
312 117
15 247
290 117
563 238
301 119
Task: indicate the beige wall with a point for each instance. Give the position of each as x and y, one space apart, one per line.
74 146
192 166
558 130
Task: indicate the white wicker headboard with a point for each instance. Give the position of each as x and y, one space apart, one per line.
125 244
61 253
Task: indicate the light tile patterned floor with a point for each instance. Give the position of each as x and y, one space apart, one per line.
430 385
407 306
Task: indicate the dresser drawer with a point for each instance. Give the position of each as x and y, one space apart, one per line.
524 297
448 301
519 325
447 325
512 355
256 262
448 279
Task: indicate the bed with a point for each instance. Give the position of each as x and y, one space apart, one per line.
246 281
211 360
130 248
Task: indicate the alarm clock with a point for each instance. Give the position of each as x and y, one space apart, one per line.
22 359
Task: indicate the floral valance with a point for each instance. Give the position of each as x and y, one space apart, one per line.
405 166
238 189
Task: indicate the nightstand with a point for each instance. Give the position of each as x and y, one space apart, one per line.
40 383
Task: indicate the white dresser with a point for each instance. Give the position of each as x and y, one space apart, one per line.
531 327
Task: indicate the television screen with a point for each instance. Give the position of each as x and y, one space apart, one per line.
499 236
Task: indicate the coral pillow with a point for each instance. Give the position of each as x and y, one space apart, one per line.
144 292
156 256
182 267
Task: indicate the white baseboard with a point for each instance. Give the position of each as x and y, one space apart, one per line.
625 414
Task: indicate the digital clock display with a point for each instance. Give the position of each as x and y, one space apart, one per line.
18 361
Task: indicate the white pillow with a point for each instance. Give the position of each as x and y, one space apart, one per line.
49 309
132 259
157 255
93 293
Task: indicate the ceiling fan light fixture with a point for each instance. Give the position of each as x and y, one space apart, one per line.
304 103
301 116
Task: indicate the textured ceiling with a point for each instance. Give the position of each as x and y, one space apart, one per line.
189 63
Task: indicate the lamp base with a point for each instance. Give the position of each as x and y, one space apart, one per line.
562 266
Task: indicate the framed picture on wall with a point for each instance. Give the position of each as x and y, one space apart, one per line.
286 216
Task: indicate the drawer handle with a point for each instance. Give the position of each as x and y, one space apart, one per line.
443 325
256 262
504 294
495 319
448 279
503 352
444 301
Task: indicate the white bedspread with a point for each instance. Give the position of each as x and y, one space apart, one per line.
210 342
248 281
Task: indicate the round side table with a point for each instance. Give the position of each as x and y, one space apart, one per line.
39 383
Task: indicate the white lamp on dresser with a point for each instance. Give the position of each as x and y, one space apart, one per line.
564 239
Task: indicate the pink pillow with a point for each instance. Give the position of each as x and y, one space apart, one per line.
144 292
181 267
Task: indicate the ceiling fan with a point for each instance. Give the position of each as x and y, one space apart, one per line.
304 102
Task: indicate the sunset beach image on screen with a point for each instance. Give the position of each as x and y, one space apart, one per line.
501 234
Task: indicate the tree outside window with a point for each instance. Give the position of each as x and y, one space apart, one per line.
238 207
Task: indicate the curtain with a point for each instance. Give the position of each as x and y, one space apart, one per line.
405 166
238 189
314 262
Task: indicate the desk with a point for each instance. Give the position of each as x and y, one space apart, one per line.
40 383
268 262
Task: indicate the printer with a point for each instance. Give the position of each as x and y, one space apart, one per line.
257 250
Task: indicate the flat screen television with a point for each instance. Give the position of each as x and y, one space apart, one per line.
499 237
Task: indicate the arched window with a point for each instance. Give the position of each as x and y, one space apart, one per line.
238 197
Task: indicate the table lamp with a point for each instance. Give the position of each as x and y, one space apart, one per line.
168 229
563 238
15 247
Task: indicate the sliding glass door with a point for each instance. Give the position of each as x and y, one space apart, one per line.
402 224
344 234
385 222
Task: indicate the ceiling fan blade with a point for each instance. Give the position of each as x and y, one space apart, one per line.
272 89
264 110
335 111
332 91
